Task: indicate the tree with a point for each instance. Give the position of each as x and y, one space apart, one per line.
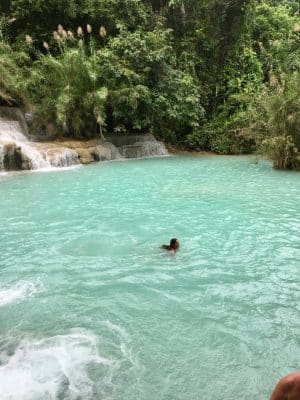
11 75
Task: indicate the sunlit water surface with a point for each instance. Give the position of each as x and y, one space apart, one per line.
91 308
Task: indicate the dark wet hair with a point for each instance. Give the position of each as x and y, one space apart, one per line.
172 242
174 245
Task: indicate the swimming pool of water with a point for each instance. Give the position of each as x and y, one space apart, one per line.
91 308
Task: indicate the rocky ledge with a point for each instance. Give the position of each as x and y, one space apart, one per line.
23 147
25 155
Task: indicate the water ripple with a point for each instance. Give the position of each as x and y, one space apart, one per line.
226 305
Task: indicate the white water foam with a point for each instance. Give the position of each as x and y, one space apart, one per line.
1 156
52 368
127 356
36 158
11 131
18 292
57 169
33 158
144 149
63 157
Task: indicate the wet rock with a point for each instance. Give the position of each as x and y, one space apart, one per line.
12 159
138 146
17 152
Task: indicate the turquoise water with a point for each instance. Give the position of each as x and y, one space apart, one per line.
91 308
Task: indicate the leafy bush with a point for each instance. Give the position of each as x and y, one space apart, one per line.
284 108
234 129
210 75
129 84
11 75
282 150
68 89
199 140
283 122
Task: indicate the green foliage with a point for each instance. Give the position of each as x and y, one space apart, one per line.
210 75
134 70
199 140
253 106
68 90
39 17
233 129
131 64
180 103
283 107
282 151
11 75
275 38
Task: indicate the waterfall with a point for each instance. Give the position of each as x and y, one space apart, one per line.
19 153
106 151
138 146
33 158
1 156
16 152
143 149
62 157
11 131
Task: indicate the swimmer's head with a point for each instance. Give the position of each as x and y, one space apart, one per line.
174 244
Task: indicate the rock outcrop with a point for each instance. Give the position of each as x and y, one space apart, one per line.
138 146
17 152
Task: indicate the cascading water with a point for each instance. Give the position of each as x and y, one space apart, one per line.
33 158
143 149
62 157
1 156
16 152
11 131
138 146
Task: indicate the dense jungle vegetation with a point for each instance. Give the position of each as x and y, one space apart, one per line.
220 75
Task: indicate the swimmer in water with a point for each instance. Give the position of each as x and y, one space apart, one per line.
172 247
288 388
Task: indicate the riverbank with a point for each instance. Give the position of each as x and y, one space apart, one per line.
180 151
